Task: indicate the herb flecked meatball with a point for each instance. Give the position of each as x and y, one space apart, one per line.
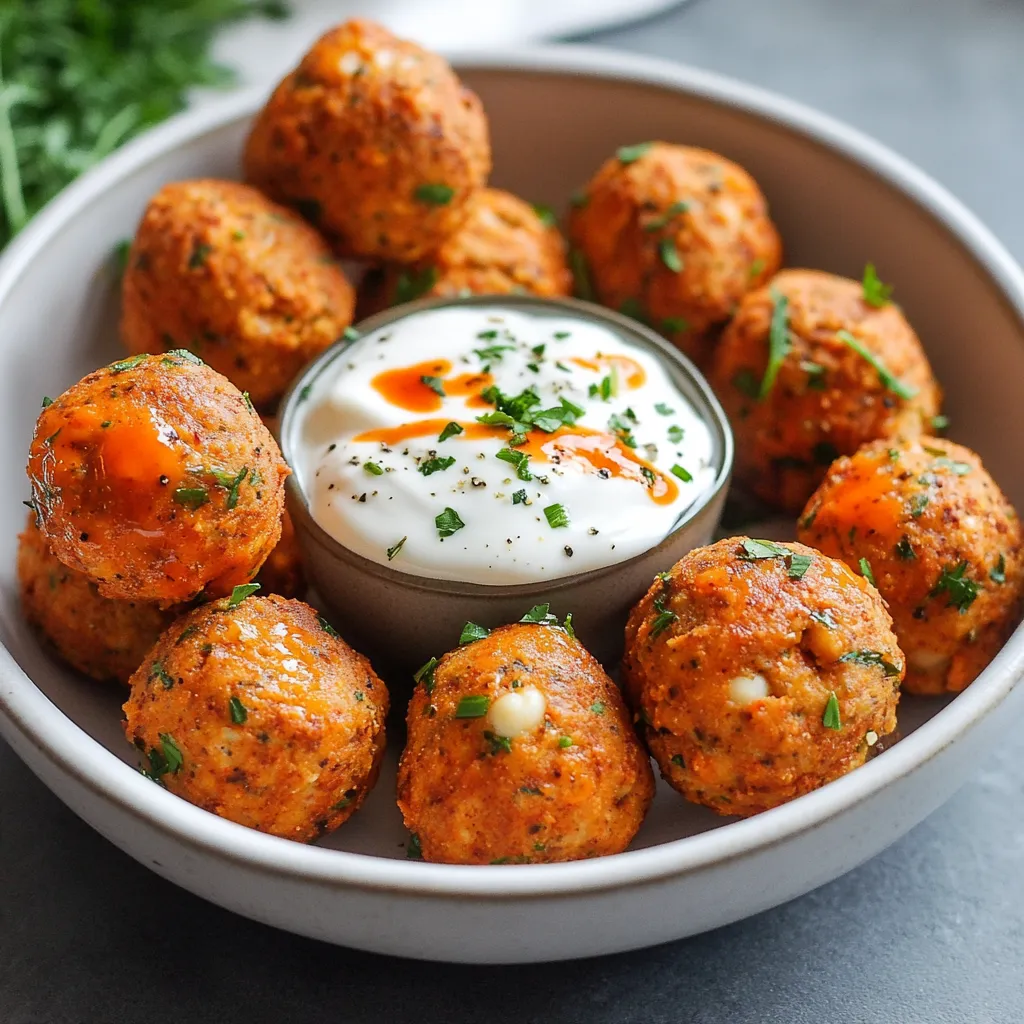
521 750
810 368
155 477
759 672
675 236
217 268
375 140
941 541
255 709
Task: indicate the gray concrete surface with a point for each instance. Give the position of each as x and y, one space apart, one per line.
931 931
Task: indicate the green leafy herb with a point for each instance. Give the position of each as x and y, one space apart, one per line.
413 850
241 592
657 223
172 753
824 619
621 428
471 631
433 194
630 154
564 741
185 634
875 292
605 390
598 707
939 423
545 215
815 374
450 430
684 474
959 468
674 325
756 269
904 549
663 410
425 674
556 516
798 566
519 497
499 744
123 365
448 522
568 626
436 465
676 434
677 760
918 505
891 383
373 468
778 343
960 590
998 574
350 334
436 384
395 548
664 617
518 459
493 352
865 571
754 550
197 259
540 613
191 497
237 711
157 671
830 719
670 255
871 658
412 284
326 626
473 705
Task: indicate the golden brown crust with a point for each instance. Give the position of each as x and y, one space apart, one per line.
917 511
827 399
503 247
625 227
137 476
217 268
283 573
364 122
576 786
279 723
717 616
101 638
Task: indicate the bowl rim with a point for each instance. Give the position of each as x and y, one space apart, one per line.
678 364
72 753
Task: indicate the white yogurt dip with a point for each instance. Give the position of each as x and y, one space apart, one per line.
565 447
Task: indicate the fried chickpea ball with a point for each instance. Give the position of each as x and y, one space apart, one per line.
259 712
282 572
505 246
847 372
375 140
521 749
155 477
760 671
218 268
942 543
675 236
101 638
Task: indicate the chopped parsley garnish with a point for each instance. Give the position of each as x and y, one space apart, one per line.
580 275
778 343
374 468
412 284
889 382
413 850
798 566
746 383
568 626
670 255
657 223
499 744
350 334
677 760
904 549
824 619
598 707
493 352
434 194
674 325
663 410
754 550
540 613
830 719
157 671
429 466
664 618
518 459
450 430
621 428
395 548
918 505
684 474
436 384
425 674
191 497
473 705
198 257
865 571
605 390
248 401
870 658
630 154
815 374
998 574
241 592
519 497
545 215
172 753
564 741
756 268
185 634
471 631
875 292
939 422
556 516
448 522
305 392
237 710
675 434
123 365
943 462
47 401
326 626
960 590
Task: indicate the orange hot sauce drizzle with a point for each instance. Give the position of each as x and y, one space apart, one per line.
404 387
629 371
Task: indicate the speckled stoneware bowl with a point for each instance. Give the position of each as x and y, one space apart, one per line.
362 593
839 199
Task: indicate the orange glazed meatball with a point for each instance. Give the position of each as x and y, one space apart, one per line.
101 638
941 541
760 671
504 246
256 710
217 268
155 477
809 370
675 236
521 749
374 140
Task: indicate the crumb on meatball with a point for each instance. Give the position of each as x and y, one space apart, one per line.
760 671
675 236
520 750
101 638
258 711
155 477
942 543
375 140
847 372
504 246
217 268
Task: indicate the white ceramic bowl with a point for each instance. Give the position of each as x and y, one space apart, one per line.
840 199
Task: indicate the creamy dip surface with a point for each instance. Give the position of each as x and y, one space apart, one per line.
496 446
